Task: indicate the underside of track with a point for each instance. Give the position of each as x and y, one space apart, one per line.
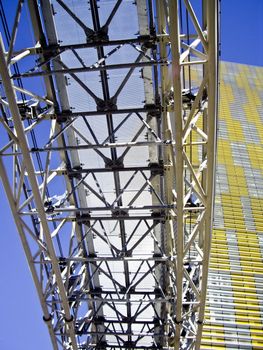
108 117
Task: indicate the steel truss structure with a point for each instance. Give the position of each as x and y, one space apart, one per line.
109 166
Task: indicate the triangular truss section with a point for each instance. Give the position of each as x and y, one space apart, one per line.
109 117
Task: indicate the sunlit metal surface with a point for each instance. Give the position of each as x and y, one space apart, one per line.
110 122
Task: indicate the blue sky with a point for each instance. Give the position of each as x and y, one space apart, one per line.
21 316
242 31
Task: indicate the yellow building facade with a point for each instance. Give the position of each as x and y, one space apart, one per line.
234 310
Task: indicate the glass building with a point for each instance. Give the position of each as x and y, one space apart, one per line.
234 310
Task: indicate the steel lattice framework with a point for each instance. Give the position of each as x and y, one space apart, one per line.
113 199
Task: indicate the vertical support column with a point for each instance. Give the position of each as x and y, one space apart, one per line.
211 10
20 229
168 238
35 189
176 79
72 156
